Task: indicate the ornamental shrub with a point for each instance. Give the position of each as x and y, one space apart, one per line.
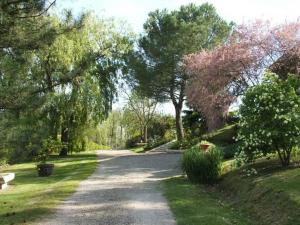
132 142
202 167
270 118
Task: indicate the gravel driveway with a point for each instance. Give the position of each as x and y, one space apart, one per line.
124 190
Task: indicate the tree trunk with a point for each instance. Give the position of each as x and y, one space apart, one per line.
179 126
53 122
284 157
64 140
145 134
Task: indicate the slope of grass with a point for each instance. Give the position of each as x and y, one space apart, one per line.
271 197
29 197
195 205
223 136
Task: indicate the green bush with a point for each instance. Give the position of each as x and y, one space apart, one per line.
270 118
229 150
155 143
202 167
95 146
194 123
49 146
186 143
132 142
232 117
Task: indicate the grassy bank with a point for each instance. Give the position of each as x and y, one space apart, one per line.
194 205
29 197
138 149
270 197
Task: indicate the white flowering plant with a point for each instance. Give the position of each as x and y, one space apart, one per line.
270 120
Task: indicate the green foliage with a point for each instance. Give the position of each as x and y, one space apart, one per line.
202 166
49 146
162 126
194 123
171 35
157 68
204 142
24 25
229 151
113 131
94 146
232 117
60 87
270 118
132 142
153 143
185 143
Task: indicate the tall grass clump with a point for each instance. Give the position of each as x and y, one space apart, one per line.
202 166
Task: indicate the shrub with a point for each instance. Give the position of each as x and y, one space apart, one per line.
95 146
229 150
194 123
153 143
49 146
162 126
232 117
175 145
202 167
186 143
270 120
132 142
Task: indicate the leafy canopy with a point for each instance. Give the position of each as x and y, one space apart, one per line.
168 37
270 118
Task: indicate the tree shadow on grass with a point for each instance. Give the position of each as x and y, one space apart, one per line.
23 217
103 197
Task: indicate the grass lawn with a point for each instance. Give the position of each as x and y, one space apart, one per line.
138 149
195 205
29 197
270 197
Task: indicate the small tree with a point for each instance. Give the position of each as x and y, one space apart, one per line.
144 109
270 118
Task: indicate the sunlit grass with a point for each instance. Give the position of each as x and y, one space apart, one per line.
29 197
194 205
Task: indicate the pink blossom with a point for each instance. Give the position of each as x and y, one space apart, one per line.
217 76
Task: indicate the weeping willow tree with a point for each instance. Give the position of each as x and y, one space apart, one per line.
62 87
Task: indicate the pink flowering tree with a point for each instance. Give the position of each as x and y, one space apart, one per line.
218 76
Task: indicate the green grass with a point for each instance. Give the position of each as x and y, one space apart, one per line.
271 197
196 205
138 149
222 136
29 197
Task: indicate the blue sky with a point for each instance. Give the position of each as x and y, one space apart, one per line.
135 12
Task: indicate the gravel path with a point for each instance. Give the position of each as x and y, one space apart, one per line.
124 190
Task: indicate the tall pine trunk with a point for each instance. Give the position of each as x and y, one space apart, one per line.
179 126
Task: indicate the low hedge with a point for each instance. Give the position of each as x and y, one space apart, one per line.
202 166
